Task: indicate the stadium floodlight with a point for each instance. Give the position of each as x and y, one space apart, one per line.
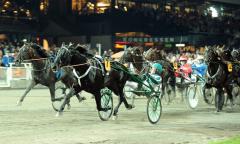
214 12
180 45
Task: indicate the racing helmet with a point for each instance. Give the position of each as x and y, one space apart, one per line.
158 67
200 59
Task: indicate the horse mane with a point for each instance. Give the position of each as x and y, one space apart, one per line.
82 50
39 50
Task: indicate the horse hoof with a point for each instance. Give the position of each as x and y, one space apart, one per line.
19 103
130 107
217 111
115 117
82 99
58 114
69 107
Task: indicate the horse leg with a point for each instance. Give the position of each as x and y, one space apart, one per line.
163 87
97 96
115 112
80 98
65 101
30 86
219 99
230 96
53 98
121 99
165 91
172 83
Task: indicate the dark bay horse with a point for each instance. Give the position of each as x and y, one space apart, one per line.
230 56
92 76
42 72
168 75
135 57
217 76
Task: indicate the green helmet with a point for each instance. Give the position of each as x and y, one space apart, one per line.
158 67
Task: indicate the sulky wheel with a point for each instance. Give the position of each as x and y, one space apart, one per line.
154 109
59 92
127 92
208 94
106 103
191 97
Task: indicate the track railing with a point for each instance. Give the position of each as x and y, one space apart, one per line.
14 73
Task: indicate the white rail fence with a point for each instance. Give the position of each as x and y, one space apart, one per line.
14 73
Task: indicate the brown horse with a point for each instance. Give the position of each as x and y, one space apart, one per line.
168 75
92 77
217 76
42 72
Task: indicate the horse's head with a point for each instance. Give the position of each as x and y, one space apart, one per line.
30 51
153 54
63 57
211 54
224 53
236 54
133 54
150 55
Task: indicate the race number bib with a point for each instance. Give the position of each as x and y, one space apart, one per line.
107 64
229 67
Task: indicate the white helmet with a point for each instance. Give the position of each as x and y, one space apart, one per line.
200 57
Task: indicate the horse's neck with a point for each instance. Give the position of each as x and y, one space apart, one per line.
138 66
228 58
81 62
212 67
39 64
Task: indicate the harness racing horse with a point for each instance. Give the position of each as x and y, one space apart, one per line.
217 76
231 57
42 72
92 76
168 75
135 57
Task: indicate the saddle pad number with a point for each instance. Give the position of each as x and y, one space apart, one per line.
107 64
229 67
175 65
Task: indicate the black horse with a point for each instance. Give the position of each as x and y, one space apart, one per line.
92 76
135 57
217 76
42 72
168 76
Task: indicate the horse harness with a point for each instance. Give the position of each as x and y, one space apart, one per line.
36 59
79 77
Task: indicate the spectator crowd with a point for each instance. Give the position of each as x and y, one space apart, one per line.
188 20
8 52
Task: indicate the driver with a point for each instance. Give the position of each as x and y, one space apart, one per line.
185 68
199 67
156 72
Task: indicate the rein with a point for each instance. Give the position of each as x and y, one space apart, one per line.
45 67
88 70
37 59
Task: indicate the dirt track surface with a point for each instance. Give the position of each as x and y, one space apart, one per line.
35 123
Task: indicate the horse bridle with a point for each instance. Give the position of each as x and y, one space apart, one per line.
32 54
64 50
237 52
28 47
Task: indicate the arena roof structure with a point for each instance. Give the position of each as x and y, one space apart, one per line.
228 1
